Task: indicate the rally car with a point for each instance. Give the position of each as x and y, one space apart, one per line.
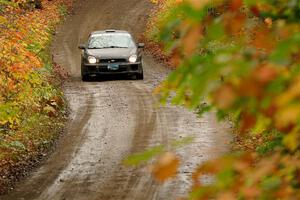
111 52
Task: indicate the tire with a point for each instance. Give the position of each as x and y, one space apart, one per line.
85 78
140 76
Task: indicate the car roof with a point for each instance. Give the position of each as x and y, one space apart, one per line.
109 31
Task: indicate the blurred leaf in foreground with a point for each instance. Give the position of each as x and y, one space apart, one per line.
166 167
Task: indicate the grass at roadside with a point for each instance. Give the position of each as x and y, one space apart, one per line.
32 105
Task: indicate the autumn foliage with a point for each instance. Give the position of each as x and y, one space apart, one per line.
242 57
30 100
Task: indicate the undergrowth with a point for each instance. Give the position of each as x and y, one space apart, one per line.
32 105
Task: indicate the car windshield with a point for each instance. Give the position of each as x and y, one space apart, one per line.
113 40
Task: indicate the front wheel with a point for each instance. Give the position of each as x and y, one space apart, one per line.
140 76
85 77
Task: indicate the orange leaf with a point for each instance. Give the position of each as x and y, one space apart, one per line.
236 4
166 167
191 40
198 4
225 96
234 23
265 74
247 122
251 192
269 22
226 196
263 39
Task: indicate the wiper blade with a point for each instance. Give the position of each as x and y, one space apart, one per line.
95 48
110 47
116 47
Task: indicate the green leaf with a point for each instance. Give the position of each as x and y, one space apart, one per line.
271 183
182 142
140 158
17 145
215 31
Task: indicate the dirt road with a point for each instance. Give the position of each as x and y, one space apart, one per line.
111 119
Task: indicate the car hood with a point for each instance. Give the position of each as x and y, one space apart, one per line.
112 52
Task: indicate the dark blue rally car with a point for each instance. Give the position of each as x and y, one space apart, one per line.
111 52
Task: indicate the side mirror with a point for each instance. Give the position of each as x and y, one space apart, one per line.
81 46
141 45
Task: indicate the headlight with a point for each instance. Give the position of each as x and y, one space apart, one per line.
92 59
132 58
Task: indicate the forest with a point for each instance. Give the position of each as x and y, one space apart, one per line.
237 59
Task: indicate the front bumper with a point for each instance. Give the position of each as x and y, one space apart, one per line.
104 68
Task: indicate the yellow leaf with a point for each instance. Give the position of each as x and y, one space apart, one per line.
291 140
226 196
290 94
3 20
287 116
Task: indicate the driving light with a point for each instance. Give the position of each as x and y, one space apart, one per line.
132 58
92 59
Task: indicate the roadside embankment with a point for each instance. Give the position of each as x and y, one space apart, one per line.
32 105
150 36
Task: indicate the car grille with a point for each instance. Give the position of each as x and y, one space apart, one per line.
117 60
